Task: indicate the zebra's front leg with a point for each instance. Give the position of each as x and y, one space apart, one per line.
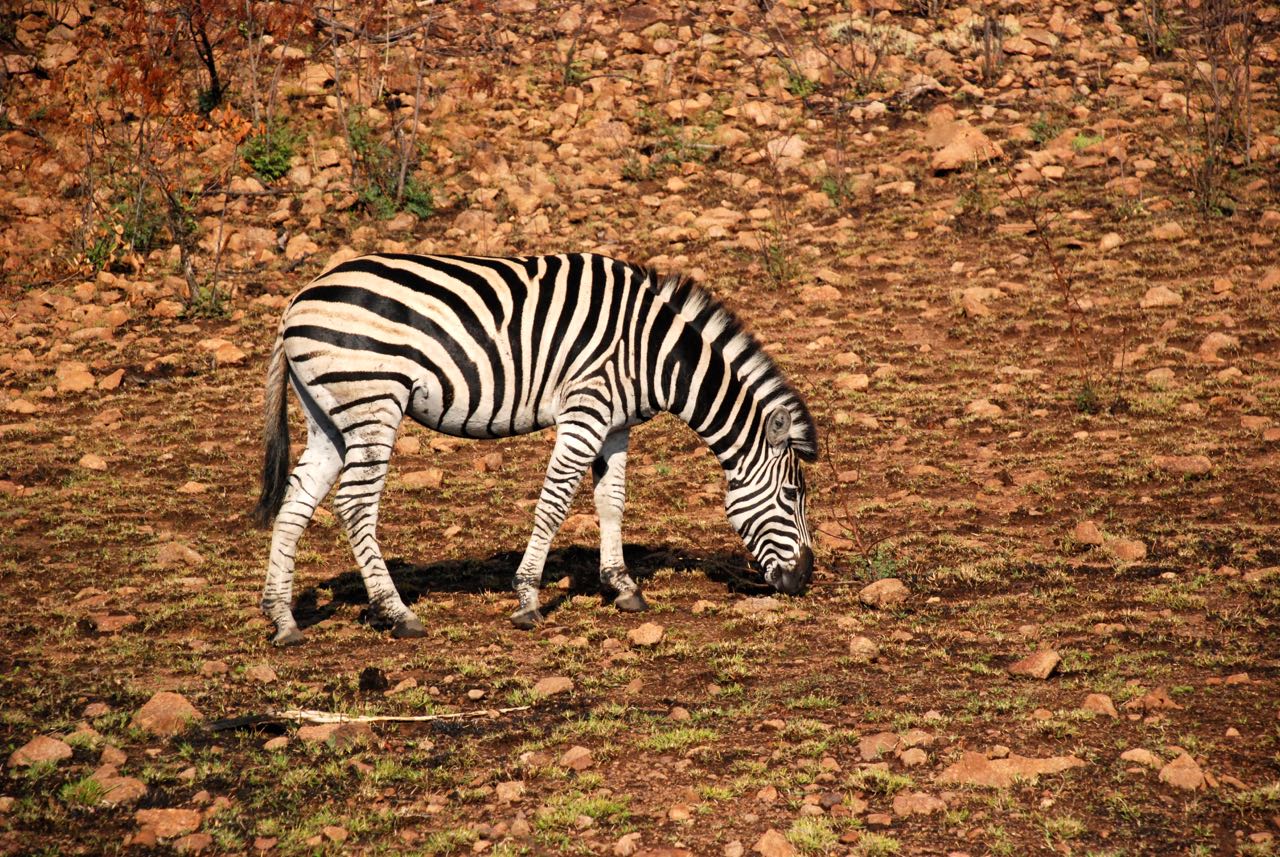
577 444
310 481
610 472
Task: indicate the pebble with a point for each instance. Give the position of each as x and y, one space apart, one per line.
1039 665
576 758
166 714
863 650
884 593
773 844
647 635
553 685
1183 773
39 749
1100 703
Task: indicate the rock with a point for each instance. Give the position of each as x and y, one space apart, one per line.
1126 550
168 823
1171 231
261 673
1269 279
1161 376
756 606
872 747
118 790
1188 465
1157 699
176 555
1087 533
917 803
41 748
552 685
417 480
863 650
315 733
976 769
1183 773
510 791
1160 296
627 844
913 757
647 635
576 758
165 714
1110 241
1142 757
853 382
1215 342
1099 703
984 409
819 294
74 377
962 146
193 843
883 594
773 844
108 623
91 461
167 309
1038 665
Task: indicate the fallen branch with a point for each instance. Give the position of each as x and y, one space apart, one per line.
301 715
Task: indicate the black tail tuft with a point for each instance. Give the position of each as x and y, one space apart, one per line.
275 462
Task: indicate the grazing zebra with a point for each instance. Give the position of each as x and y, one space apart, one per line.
484 347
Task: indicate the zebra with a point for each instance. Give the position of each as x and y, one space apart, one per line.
491 347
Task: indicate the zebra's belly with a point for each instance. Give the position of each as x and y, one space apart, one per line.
478 418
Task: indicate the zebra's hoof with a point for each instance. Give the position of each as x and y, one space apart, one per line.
632 602
408 627
289 636
527 620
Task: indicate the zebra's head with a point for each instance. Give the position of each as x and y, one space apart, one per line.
766 503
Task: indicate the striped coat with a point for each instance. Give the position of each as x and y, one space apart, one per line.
484 347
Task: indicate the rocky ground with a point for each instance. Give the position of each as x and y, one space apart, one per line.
1035 321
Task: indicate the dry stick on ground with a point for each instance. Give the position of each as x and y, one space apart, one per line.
304 715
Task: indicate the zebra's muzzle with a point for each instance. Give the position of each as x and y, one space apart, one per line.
796 579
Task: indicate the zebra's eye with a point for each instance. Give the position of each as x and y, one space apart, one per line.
789 494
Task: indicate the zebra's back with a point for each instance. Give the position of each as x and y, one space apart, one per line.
481 346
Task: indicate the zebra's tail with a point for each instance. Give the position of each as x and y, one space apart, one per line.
275 462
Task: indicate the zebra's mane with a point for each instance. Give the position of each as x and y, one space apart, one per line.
717 324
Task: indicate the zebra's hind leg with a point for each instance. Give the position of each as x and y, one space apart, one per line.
369 438
610 473
310 481
577 445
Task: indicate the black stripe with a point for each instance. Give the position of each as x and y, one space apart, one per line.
318 416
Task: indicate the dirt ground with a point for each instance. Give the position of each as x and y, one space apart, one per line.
1049 452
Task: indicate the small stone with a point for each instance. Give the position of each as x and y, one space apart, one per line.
913 757
1039 665
261 673
41 748
119 791
510 791
917 803
112 755
576 758
193 843
773 844
1100 703
552 685
168 823
756 606
1126 550
1188 465
1139 756
1087 533
1171 231
884 593
627 844
176 555
418 480
1214 343
108 623
334 833
853 382
872 747
165 714
647 635
976 769
863 650
679 714
92 461
74 377
209 669
1110 241
1183 773
1158 297
984 409
277 743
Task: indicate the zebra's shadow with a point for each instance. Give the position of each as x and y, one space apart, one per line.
579 564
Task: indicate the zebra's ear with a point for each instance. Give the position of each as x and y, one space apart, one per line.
778 427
